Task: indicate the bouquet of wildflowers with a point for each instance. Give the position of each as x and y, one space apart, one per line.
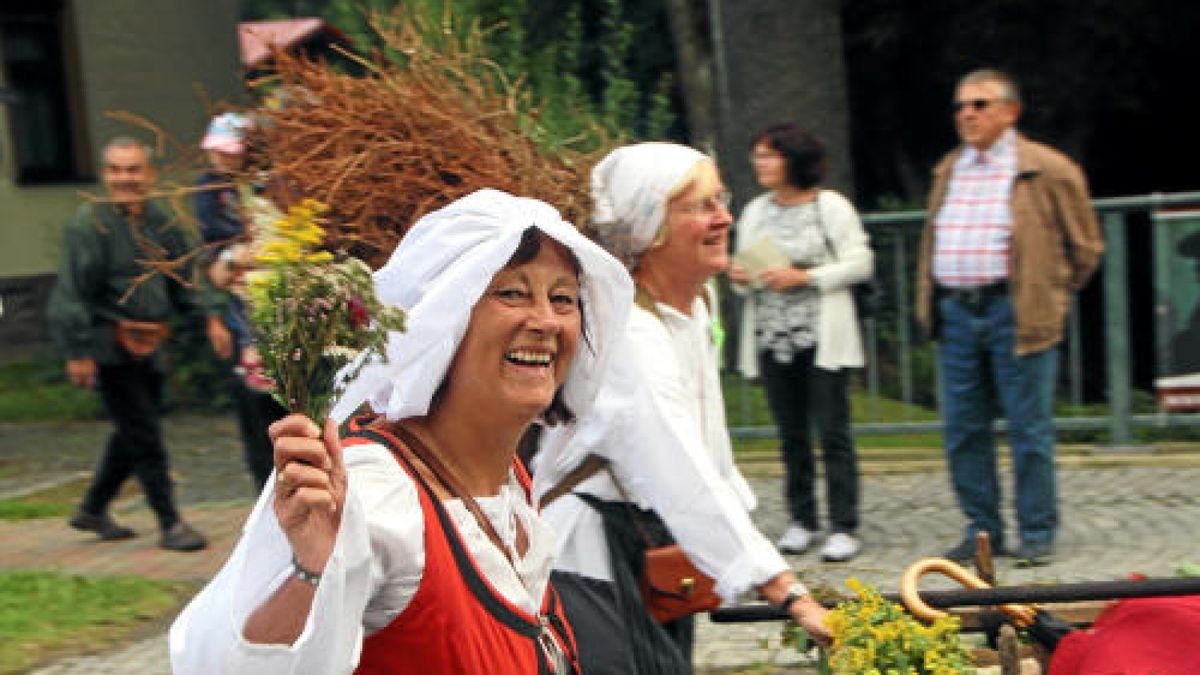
312 313
875 637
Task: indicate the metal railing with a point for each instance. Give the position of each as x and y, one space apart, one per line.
892 348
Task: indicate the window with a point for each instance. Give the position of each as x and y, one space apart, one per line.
47 140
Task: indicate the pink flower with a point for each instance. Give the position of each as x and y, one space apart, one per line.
359 316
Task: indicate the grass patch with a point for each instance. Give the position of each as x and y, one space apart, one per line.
38 390
746 405
55 501
46 614
16 509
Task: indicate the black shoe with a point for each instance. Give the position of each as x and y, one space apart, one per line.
101 524
181 537
964 551
1034 554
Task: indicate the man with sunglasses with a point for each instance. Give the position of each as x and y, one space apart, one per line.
1009 237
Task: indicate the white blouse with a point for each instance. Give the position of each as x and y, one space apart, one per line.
839 341
372 575
660 420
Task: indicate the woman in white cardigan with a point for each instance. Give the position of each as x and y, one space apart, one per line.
799 328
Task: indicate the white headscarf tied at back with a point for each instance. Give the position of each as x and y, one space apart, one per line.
439 272
630 187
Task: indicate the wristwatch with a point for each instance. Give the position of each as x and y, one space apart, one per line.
794 592
305 575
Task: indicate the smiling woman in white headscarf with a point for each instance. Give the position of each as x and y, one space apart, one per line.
658 429
411 546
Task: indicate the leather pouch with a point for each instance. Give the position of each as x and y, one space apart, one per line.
140 339
672 587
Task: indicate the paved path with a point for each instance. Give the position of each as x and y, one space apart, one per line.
1125 516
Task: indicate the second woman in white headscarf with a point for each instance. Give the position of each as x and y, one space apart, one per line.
659 427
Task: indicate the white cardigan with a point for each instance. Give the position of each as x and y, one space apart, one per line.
839 342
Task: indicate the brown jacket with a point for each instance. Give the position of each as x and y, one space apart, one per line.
1055 247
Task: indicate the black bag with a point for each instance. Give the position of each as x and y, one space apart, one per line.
866 293
866 299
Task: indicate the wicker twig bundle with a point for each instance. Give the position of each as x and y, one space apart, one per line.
409 136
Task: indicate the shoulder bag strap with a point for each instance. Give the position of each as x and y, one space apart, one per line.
824 231
450 482
590 466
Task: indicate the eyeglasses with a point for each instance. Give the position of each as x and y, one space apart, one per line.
763 156
976 104
708 205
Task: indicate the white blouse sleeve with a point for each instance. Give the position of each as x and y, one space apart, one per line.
658 453
372 574
855 260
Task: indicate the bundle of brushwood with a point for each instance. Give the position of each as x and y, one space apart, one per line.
429 119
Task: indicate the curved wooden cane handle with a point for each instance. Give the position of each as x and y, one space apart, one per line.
1021 615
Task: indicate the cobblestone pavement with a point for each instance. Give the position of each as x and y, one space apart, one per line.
1120 515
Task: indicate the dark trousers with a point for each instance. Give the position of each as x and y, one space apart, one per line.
800 396
132 393
256 410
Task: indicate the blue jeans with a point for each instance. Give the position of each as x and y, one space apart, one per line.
978 365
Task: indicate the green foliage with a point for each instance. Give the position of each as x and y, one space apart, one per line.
588 82
39 390
661 116
43 613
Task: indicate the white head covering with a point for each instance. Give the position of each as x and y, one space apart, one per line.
440 270
629 190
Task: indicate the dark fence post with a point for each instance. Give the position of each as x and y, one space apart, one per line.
1116 334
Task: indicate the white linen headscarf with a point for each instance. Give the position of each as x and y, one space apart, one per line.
630 187
441 269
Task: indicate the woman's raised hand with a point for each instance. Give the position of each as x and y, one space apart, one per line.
784 278
310 487
738 274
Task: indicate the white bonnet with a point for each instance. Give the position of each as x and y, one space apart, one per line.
630 187
440 270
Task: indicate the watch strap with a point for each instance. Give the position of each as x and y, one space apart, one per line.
307 576
795 591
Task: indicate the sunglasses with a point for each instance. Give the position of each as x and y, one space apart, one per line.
976 104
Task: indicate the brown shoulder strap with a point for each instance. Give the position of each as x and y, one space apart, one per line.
452 485
590 466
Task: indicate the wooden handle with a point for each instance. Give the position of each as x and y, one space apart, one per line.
1021 615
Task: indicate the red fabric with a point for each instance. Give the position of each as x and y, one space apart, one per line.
1142 636
446 629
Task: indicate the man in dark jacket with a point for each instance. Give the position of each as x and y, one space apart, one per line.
118 283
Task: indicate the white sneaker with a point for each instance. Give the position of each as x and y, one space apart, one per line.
840 547
796 539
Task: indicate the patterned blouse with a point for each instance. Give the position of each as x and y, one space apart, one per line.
787 320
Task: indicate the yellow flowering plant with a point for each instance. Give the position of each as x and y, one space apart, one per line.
311 312
872 636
